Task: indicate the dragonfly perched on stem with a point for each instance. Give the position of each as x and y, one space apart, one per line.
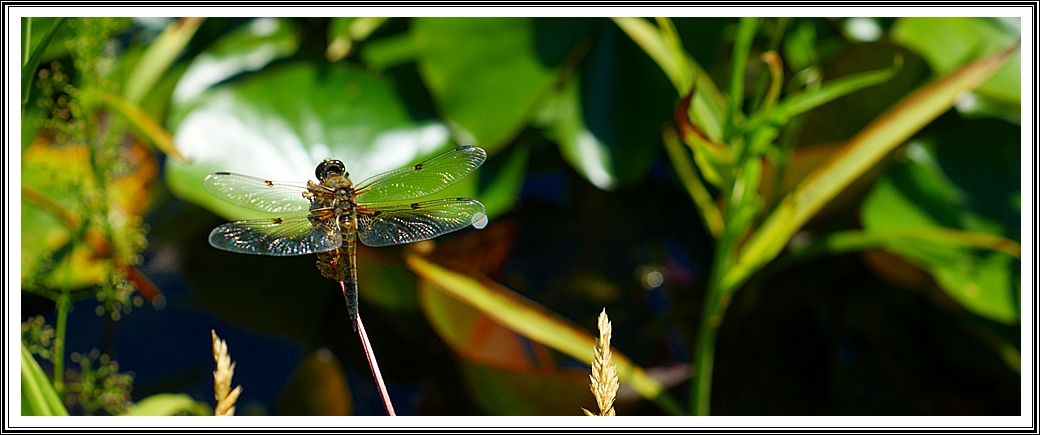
325 218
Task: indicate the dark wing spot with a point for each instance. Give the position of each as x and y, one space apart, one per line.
419 167
221 173
377 213
269 183
415 205
464 199
463 147
277 221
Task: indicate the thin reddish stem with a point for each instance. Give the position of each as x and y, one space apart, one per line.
371 356
375 367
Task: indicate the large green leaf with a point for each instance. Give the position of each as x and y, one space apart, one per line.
247 48
279 123
483 72
964 39
917 195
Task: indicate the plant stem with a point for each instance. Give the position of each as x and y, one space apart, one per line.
711 320
63 302
371 357
704 353
716 298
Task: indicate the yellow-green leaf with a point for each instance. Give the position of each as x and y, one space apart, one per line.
152 130
537 323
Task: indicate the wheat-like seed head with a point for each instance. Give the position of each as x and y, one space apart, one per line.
604 373
222 378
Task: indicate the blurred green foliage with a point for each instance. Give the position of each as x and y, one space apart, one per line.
674 126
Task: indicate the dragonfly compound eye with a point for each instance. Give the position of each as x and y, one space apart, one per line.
328 168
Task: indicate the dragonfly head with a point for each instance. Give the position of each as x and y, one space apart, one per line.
329 168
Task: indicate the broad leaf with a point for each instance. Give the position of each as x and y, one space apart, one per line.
966 38
255 128
483 72
916 195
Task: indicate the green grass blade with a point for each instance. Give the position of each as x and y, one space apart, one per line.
30 64
861 153
148 127
38 395
834 89
158 57
539 324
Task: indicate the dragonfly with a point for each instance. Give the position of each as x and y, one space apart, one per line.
328 216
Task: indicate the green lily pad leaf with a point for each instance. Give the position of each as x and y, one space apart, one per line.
247 48
484 73
945 43
917 194
278 124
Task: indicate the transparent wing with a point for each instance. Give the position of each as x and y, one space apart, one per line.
384 224
421 179
257 193
290 235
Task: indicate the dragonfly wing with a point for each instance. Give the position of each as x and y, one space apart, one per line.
257 193
383 225
291 235
422 179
